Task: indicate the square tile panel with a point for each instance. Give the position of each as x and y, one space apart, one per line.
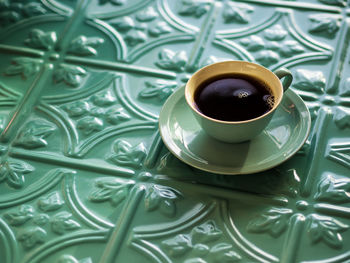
84 174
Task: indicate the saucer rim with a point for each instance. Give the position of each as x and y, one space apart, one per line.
293 96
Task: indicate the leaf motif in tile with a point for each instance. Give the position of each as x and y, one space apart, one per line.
25 67
195 8
345 91
333 190
200 245
334 2
69 74
160 89
70 259
177 246
77 108
325 23
126 154
90 124
237 13
326 229
98 112
135 37
50 202
267 57
273 221
124 24
253 43
339 153
31 236
85 46
103 99
13 12
9 17
159 28
41 219
161 198
200 251
275 33
206 233
147 14
290 48
12 172
342 118
113 2
40 39
63 222
223 253
111 189
169 59
33 9
309 80
115 116
34 133
20 216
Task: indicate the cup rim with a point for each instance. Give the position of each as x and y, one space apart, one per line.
187 94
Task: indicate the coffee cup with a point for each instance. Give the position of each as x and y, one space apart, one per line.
233 131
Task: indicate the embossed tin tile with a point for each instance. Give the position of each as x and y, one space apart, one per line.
84 174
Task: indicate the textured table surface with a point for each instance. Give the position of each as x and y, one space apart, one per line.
84 175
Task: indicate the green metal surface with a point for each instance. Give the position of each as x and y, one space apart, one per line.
84 174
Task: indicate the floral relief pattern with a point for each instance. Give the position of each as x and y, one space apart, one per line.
34 133
203 244
322 23
134 167
273 46
170 60
237 13
196 8
26 67
93 114
319 228
115 191
34 223
14 11
339 153
12 172
126 154
144 26
112 190
71 75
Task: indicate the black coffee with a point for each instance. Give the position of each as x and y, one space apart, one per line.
233 98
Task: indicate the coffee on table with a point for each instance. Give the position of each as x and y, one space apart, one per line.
233 97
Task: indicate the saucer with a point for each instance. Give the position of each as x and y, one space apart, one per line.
283 137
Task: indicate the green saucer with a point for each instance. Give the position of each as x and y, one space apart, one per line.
283 137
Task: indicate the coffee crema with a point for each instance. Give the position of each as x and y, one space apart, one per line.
233 97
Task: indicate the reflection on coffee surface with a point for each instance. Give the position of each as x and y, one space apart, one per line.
233 97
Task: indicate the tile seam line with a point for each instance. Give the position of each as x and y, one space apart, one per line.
340 51
43 74
71 163
21 51
80 7
120 231
318 133
203 37
111 65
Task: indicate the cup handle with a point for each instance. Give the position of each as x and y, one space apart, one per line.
287 75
